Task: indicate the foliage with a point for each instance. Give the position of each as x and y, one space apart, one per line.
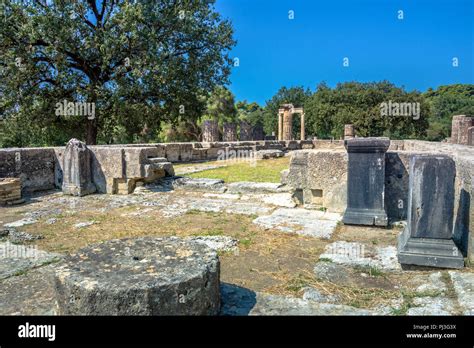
252 113
328 110
220 106
140 62
445 102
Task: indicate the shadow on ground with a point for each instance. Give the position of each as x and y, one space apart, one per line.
236 300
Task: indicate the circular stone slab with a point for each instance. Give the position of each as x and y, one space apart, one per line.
141 276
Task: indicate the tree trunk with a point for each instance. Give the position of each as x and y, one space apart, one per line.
91 132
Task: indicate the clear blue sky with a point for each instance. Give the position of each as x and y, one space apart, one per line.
415 52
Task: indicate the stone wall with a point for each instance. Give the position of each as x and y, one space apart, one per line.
319 177
34 166
41 169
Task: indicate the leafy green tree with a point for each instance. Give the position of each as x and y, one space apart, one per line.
328 110
445 102
221 106
139 62
252 113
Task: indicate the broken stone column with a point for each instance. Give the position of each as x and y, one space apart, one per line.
155 276
210 131
459 129
349 132
246 130
287 125
470 136
229 131
77 173
280 126
427 238
366 181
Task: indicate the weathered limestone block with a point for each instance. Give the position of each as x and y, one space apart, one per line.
427 238
229 131
266 154
34 166
10 191
459 129
366 181
77 172
210 131
107 166
349 131
142 276
318 177
177 152
157 168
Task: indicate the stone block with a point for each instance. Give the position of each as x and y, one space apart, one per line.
142 276
427 238
366 181
77 172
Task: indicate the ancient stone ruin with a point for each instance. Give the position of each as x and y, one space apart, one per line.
77 173
460 133
10 191
366 181
210 131
427 238
370 214
285 122
349 131
142 276
229 131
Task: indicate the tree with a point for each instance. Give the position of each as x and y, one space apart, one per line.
445 102
139 62
221 106
328 110
252 113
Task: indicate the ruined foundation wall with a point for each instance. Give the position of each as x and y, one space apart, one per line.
319 177
40 169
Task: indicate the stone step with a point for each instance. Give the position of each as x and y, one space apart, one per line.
157 160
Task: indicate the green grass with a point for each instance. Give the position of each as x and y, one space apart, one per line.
264 171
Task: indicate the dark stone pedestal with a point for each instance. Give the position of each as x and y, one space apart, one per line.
366 181
427 238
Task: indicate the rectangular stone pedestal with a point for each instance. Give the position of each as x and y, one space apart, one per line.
371 217
366 181
427 238
431 252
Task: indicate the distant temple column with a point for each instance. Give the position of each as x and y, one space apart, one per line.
280 125
287 125
285 122
302 135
